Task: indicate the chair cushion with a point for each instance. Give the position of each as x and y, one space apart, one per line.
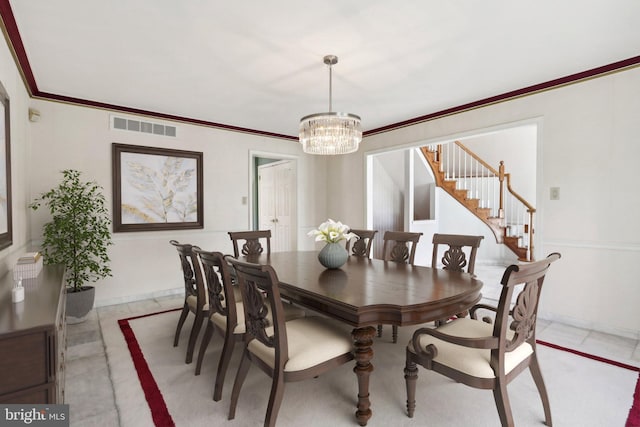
311 340
192 302
472 361
221 321
290 312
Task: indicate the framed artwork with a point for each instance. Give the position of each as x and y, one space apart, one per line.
6 229
156 189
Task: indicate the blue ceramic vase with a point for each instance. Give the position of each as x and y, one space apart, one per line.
333 255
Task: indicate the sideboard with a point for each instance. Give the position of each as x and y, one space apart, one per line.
33 339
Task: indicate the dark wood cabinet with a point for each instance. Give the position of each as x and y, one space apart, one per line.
33 339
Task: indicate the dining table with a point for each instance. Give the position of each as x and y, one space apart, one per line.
368 292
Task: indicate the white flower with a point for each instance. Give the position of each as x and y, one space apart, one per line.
331 232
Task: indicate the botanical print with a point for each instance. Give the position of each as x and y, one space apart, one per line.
158 189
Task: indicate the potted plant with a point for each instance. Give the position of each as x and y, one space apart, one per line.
77 237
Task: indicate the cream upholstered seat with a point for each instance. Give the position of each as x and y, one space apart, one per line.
471 361
195 300
226 313
483 355
287 351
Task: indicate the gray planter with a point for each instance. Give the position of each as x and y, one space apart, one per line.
79 304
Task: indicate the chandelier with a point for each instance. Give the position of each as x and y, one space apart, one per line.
330 133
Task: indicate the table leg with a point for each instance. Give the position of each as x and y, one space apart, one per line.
363 340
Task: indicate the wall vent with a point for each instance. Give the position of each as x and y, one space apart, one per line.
135 125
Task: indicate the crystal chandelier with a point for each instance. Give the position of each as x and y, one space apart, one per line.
330 133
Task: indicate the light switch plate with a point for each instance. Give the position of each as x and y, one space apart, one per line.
554 193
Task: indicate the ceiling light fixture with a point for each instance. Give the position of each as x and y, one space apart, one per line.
330 133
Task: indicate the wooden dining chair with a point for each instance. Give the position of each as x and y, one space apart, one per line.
251 245
362 245
296 350
195 295
455 252
482 354
226 313
399 246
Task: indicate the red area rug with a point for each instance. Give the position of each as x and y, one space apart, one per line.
161 415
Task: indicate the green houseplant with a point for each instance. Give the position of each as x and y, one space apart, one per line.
77 237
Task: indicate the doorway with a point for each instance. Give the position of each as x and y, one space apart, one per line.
275 200
515 143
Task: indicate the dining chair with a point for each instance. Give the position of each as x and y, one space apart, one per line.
195 295
487 354
296 350
362 245
455 252
252 245
226 313
399 246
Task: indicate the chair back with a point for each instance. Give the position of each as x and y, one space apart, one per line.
259 288
191 271
454 257
217 274
519 320
252 245
395 246
362 245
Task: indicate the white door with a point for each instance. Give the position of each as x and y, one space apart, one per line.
276 203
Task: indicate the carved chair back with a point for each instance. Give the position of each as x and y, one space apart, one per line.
400 246
362 246
521 318
454 256
217 274
259 288
192 273
252 245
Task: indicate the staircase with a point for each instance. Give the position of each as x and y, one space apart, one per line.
486 193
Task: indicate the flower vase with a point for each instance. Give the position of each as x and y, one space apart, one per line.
333 255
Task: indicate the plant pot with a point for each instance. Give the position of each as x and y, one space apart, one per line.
333 255
79 304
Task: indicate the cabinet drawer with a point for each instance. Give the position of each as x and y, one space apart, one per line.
24 362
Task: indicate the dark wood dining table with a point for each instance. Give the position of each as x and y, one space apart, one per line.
368 292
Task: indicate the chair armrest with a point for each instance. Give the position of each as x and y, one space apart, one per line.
488 342
486 319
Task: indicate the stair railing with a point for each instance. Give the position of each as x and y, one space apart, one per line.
491 187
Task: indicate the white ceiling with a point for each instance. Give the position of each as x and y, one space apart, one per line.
258 64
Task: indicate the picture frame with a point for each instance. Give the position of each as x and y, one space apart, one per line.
6 224
156 188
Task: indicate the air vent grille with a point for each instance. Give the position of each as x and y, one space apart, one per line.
121 123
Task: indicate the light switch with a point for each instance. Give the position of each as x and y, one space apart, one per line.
554 194
244 200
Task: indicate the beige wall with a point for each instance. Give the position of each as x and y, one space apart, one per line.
143 263
20 180
588 146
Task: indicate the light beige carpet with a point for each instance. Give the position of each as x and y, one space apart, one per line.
583 392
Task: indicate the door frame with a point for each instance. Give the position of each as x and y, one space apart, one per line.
253 188
539 250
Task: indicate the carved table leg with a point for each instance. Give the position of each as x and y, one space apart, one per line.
363 340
